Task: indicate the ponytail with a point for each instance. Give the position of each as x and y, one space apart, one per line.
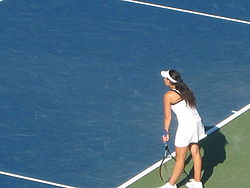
184 90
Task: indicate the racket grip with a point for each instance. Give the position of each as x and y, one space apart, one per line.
165 144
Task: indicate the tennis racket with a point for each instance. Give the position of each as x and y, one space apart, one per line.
165 170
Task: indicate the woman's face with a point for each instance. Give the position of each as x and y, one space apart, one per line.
166 81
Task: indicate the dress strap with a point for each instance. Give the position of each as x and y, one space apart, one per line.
179 93
175 90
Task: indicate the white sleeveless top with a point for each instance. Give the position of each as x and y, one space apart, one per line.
183 111
190 128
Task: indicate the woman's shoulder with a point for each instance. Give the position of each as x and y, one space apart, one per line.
171 94
172 97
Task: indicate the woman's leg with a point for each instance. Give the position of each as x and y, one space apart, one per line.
195 152
179 165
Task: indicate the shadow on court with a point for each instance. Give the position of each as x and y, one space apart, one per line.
214 153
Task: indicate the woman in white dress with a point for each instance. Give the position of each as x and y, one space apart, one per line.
190 129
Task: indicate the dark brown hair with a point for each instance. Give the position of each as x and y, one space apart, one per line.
184 90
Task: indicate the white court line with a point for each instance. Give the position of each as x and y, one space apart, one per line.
35 180
188 11
210 131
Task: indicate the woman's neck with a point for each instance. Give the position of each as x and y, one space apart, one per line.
172 87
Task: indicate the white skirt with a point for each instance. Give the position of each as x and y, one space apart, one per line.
190 130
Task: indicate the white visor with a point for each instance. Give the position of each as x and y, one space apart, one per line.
165 74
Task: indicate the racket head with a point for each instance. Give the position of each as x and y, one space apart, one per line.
166 168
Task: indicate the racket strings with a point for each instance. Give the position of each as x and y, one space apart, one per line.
167 151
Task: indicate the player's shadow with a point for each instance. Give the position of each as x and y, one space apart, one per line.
214 154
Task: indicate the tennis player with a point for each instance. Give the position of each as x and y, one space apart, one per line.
190 129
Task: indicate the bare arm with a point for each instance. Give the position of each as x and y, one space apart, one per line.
169 97
167 110
167 115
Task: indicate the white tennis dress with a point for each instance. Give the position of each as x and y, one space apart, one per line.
190 128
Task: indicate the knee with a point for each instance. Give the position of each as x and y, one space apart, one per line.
195 149
181 154
180 158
